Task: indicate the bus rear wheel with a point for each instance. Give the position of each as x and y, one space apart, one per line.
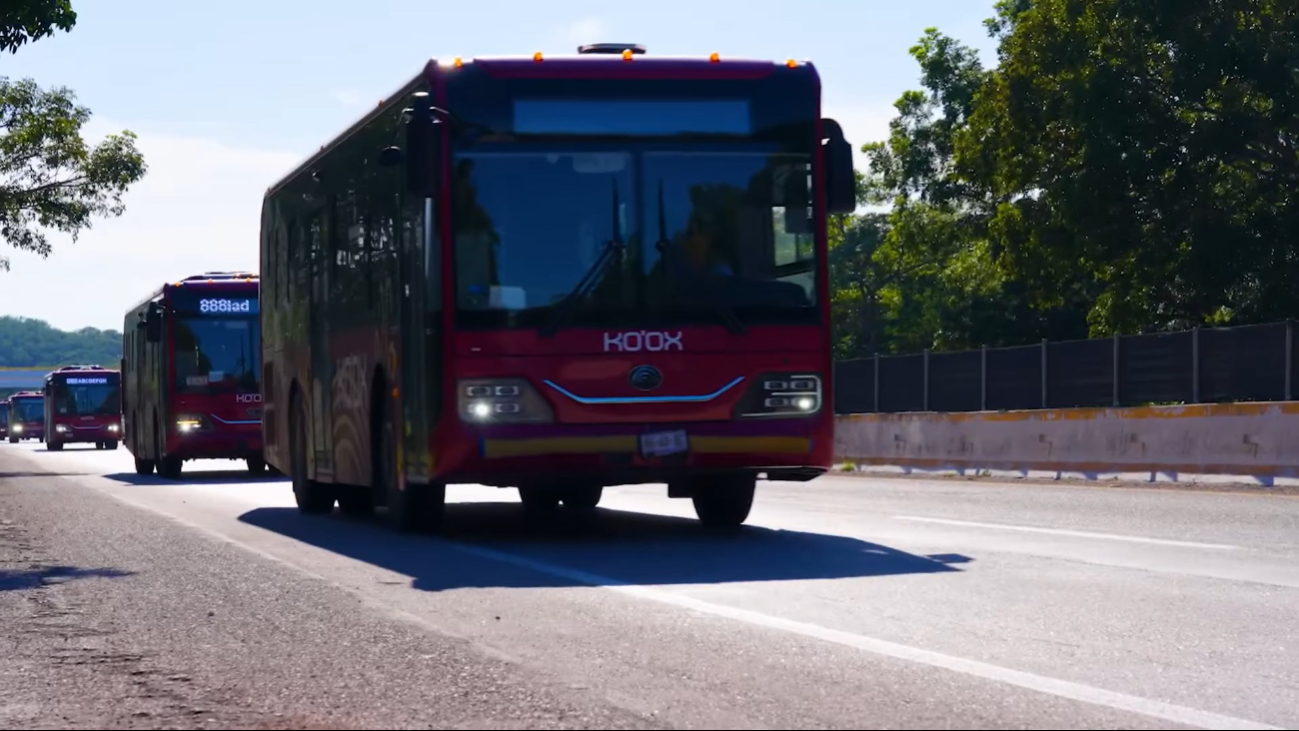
724 501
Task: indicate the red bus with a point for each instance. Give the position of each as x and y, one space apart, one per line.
83 404
191 374
26 416
557 274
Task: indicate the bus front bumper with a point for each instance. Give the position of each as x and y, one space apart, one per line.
623 454
222 444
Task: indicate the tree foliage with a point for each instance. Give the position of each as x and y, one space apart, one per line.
29 343
1127 166
23 21
50 178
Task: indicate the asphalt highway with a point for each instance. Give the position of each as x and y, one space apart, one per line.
848 602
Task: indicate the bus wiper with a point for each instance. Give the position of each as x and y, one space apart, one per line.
728 317
727 313
613 249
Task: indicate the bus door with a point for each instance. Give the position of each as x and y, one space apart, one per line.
319 345
419 327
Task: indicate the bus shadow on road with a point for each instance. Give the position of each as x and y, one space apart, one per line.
214 477
493 545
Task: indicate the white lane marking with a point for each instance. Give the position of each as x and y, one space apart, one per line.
1051 686
1070 533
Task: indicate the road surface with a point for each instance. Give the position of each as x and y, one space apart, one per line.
849 602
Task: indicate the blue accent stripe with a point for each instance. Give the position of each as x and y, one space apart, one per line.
223 421
645 399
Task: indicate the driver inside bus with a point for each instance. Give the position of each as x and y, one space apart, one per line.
701 246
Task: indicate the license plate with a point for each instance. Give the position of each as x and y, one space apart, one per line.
664 443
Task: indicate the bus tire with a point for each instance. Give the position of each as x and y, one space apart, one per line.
418 508
356 502
256 466
13 440
110 445
312 497
170 467
583 496
539 499
54 446
725 501
143 466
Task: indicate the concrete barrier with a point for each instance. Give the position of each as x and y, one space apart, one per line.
1258 439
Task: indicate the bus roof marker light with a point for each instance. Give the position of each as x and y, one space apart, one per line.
792 63
715 58
628 54
459 62
537 57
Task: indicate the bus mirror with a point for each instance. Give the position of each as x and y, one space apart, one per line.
421 156
797 202
153 326
391 157
840 178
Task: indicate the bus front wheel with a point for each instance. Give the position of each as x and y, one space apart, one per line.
110 445
256 466
312 497
583 496
54 446
724 502
170 467
143 466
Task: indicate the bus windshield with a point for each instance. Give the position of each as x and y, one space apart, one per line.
97 396
29 410
691 229
218 354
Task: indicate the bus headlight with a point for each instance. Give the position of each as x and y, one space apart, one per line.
18 428
61 428
502 401
190 423
113 428
782 394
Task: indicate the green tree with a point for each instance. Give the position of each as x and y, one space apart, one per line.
1147 153
23 21
926 274
27 343
50 178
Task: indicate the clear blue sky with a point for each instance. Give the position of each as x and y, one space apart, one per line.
228 96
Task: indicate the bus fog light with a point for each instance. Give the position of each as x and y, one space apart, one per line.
502 401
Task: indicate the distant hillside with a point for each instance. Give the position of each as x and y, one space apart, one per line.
26 343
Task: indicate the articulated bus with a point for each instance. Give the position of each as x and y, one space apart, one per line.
26 416
83 404
191 370
559 275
